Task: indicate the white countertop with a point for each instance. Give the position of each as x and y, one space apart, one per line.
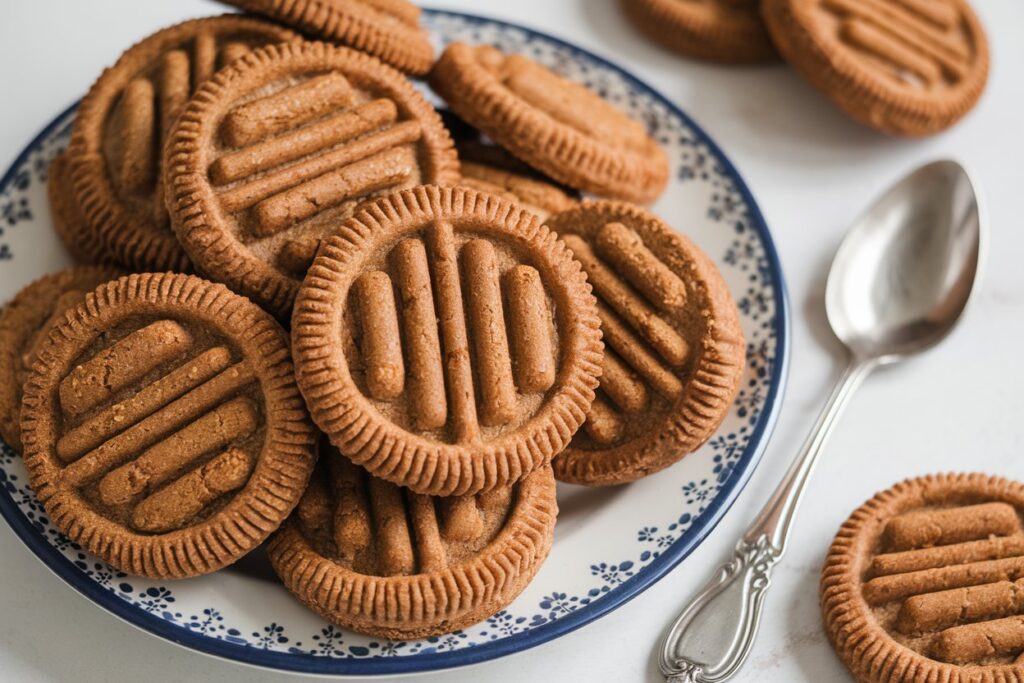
958 408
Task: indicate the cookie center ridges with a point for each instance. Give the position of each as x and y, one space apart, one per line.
958 576
636 293
382 529
151 104
304 149
916 42
149 453
401 340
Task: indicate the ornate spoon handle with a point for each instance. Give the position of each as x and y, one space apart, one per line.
712 637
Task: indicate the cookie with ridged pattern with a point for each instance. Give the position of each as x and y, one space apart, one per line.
368 555
557 126
674 349
78 235
446 341
162 427
925 582
904 67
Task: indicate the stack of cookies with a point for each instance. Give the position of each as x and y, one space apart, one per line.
905 67
306 314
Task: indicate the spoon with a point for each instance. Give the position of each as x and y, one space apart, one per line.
898 285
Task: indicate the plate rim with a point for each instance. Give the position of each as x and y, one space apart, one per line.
745 465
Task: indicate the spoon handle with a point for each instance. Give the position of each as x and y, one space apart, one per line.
712 637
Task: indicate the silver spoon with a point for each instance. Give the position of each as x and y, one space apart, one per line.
898 285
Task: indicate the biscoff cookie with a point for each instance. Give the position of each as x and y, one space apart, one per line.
674 350
905 67
720 30
368 555
389 30
76 233
162 427
557 126
446 341
122 126
925 582
24 325
272 154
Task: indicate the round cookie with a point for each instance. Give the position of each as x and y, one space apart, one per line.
387 29
925 582
77 235
489 369
557 126
368 555
674 350
728 31
903 67
24 325
162 427
272 154
123 123
536 196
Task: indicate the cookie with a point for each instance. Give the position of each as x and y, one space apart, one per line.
557 126
905 67
162 427
446 341
24 325
122 125
77 234
272 154
674 350
368 555
925 582
387 29
728 31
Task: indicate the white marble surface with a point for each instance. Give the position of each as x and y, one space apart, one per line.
958 408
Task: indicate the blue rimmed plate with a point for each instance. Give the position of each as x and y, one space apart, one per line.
610 544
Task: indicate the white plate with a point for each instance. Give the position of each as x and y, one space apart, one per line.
610 544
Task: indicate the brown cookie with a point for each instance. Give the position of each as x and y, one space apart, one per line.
272 154
446 341
720 30
387 29
77 234
674 350
379 559
24 325
925 582
555 125
905 67
122 125
162 427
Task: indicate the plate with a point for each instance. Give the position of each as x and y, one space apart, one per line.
610 544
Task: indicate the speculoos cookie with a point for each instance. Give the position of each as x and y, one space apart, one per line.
674 350
272 154
77 234
905 67
446 341
162 427
25 322
123 123
557 126
925 582
368 555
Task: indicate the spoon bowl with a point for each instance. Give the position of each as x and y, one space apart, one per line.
905 271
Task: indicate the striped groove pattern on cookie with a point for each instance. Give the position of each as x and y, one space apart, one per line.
446 341
162 427
272 154
124 122
674 351
929 576
387 29
372 556
555 125
907 67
